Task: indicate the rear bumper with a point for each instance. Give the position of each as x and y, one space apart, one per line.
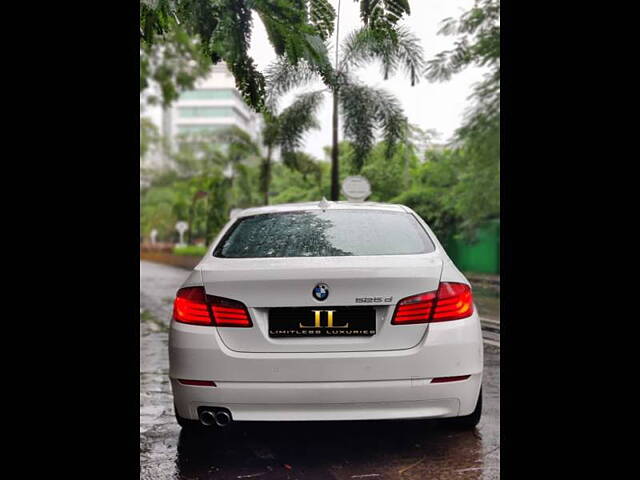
258 401
329 386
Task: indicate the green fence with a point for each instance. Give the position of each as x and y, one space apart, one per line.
482 255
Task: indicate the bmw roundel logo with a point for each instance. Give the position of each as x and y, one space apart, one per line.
321 291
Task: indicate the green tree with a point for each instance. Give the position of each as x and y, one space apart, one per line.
478 30
149 141
217 213
149 135
431 194
291 185
245 191
477 194
285 131
478 44
389 176
172 60
192 34
235 147
197 153
156 211
282 131
202 190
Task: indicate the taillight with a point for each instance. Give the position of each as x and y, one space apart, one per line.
192 305
416 309
228 313
452 301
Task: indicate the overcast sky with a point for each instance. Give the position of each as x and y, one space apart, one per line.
438 106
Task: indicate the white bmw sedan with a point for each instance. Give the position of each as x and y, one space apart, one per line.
330 311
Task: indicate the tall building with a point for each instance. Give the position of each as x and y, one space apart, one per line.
212 105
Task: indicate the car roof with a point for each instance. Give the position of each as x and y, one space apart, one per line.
321 205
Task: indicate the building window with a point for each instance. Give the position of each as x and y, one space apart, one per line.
199 128
186 112
207 94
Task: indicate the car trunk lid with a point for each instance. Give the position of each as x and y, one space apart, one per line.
356 282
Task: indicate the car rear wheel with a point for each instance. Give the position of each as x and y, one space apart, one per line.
468 421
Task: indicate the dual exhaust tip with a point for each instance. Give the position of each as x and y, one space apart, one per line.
215 416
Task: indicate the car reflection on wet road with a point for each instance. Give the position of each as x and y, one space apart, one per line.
289 450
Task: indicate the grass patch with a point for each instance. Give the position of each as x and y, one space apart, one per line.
192 250
158 325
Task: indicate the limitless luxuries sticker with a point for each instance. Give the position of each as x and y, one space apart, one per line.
334 321
319 332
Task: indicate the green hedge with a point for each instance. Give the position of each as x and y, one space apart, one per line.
479 256
192 250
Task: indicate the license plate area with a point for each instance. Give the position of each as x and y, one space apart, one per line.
300 322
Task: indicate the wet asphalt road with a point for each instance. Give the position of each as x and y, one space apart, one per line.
265 451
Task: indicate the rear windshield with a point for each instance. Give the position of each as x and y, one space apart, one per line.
325 234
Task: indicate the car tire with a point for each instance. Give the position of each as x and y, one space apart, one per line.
468 422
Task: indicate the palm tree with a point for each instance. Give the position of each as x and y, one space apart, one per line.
364 109
286 131
234 147
282 131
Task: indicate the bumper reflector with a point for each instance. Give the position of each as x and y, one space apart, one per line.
449 379
198 383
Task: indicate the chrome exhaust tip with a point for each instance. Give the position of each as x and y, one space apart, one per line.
222 418
207 418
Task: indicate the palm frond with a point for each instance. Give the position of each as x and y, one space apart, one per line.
393 122
241 145
359 125
366 110
297 119
282 77
234 134
399 51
